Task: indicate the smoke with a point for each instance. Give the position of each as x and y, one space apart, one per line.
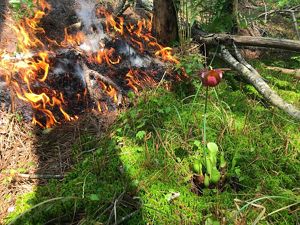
79 73
86 12
95 37
135 59
93 43
91 25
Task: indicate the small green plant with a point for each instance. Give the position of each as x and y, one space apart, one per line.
209 169
21 8
19 117
296 59
191 63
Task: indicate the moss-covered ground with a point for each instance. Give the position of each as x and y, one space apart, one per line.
147 155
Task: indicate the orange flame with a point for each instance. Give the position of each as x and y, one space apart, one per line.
105 54
72 40
30 71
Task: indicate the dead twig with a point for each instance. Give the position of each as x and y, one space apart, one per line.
279 11
97 76
114 204
123 10
36 176
295 23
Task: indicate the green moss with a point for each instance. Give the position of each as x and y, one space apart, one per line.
150 150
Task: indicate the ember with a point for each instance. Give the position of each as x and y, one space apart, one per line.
60 80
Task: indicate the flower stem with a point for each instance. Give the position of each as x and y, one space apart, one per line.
204 118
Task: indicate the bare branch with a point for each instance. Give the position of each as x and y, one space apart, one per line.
260 85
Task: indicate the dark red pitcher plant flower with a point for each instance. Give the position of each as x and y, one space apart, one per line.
211 78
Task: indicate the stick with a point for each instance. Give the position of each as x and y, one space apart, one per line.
114 206
106 80
37 176
295 23
260 85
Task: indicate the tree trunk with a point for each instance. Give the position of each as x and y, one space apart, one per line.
216 39
231 7
164 26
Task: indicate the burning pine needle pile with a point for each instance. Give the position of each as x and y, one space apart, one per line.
101 57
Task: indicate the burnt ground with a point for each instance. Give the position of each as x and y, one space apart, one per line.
29 156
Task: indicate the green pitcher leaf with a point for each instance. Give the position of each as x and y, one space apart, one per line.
212 148
206 180
222 160
215 175
208 165
197 167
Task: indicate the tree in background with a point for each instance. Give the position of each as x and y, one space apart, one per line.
165 26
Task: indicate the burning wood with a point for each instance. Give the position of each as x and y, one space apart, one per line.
100 58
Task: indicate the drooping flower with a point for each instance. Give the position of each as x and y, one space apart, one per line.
211 78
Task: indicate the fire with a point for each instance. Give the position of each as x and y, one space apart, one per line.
27 73
112 92
132 82
43 64
166 54
33 23
138 79
139 34
111 22
105 55
72 40
43 4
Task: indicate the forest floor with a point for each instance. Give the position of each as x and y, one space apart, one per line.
134 166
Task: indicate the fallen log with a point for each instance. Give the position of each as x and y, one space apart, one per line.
294 72
227 39
250 74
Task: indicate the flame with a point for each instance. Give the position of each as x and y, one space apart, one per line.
43 4
105 54
139 34
72 40
33 23
111 22
111 91
27 73
36 122
99 106
33 69
166 54
43 64
131 81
